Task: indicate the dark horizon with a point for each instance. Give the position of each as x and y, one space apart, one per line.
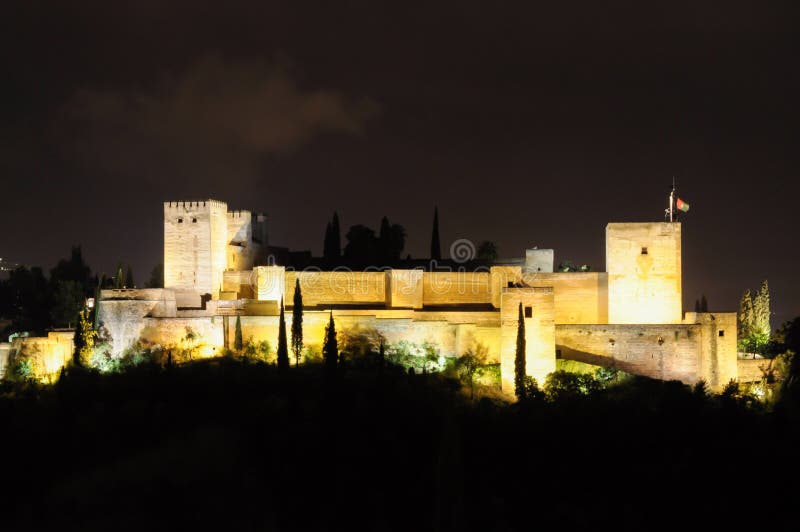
535 126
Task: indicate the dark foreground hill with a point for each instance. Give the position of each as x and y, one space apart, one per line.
226 445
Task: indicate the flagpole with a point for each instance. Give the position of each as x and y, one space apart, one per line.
672 200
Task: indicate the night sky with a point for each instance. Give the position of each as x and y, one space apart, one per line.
527 124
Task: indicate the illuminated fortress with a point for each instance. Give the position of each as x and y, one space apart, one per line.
216 268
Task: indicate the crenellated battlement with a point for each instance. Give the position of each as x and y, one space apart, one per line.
242 213
193 205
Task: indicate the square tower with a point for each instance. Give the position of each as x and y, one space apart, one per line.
195 241
643 261
538 310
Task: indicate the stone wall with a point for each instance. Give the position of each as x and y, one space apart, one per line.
405 288
240 283
5 353
338 288
455 288
643 262
580 297
752 370
451 334
122 313
686 352
203 332
667 352
48 353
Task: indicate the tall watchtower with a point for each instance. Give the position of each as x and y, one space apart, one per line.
643 261
195 240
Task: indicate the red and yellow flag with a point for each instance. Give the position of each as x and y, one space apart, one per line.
682 205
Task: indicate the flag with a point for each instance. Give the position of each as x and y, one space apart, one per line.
682 205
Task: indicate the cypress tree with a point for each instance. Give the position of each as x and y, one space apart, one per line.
519 357
697 305
745 319
336 237
283 350
84 340
96 309
129 278
330 349
703 304
297 323
327 244
119 279
436 247
237 339
761 313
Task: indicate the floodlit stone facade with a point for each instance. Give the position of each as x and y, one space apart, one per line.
629 316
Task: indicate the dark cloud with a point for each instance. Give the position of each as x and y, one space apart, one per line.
214 119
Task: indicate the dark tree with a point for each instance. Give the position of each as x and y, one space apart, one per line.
703 304
487 250
391 241
336 238
67 301
330 349
327 244
156 277
297 323
519 357
25 300
237 338
697 306
129 278
73 269
283 349
361 244
436 247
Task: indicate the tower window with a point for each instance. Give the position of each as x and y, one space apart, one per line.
721 334
180 220
194 220
528 312
644 251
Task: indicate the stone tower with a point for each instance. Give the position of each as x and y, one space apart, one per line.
540 339
643 261
195 242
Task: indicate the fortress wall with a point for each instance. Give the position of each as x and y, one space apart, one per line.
405 288
173 332
338 288
240 282
643 261
580 297
450 338
195 237
48 353
455 288
636 348
122 312
499 278
751 370
5 354
270 282
540 356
